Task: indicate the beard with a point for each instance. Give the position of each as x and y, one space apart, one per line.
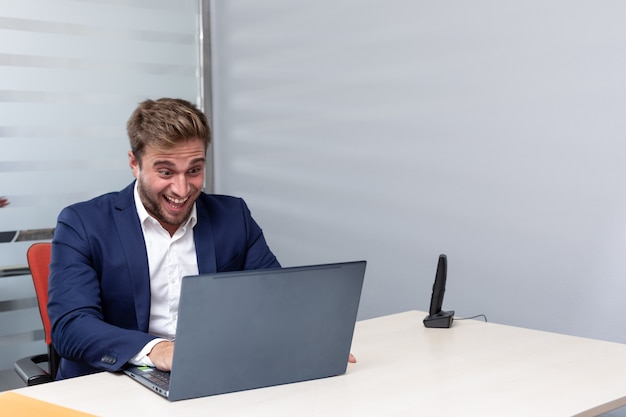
154 203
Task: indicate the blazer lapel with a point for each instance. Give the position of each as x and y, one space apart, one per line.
203 238
131 236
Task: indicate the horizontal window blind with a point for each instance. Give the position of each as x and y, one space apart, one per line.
71 73
394 131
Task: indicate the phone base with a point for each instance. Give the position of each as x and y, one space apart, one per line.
441 320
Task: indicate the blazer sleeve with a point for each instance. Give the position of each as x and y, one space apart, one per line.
228 238
84 329
258 253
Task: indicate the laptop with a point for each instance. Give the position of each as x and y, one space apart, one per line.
258 328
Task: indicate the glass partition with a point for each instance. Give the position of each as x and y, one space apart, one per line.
71 73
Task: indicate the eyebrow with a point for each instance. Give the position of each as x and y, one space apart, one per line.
171 164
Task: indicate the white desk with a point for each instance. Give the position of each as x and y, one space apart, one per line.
472 369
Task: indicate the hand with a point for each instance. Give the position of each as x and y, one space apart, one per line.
4 201
351 359
162 355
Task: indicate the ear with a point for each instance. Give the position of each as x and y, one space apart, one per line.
134 164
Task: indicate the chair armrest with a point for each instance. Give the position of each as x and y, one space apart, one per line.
30 372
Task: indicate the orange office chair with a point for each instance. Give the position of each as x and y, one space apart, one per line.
29 370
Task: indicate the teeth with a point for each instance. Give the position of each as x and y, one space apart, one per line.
177 200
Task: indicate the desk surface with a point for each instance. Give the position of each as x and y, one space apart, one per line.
404 369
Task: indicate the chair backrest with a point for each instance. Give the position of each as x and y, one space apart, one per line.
38 257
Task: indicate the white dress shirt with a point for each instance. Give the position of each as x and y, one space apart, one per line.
170 258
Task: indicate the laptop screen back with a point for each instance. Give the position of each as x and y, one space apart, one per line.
251 329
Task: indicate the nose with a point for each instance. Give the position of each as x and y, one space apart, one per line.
180 185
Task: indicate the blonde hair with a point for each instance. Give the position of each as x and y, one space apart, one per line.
164 123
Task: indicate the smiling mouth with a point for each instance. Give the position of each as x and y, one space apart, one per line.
176 203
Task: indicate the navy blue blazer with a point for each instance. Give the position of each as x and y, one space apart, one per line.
99 295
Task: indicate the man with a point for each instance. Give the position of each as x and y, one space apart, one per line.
117 260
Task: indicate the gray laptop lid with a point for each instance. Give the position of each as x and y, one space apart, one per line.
252 329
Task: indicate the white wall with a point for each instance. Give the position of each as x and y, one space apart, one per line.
393 131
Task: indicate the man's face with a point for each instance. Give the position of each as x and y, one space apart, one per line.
169 181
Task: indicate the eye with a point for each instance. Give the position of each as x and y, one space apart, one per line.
195 171
165 173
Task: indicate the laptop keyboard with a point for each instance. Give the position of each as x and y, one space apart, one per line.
159 378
